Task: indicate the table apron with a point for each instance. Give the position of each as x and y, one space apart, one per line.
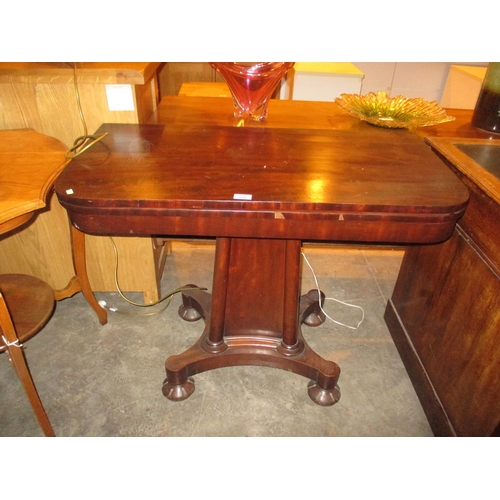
384 229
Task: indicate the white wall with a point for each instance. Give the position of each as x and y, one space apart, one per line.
415 79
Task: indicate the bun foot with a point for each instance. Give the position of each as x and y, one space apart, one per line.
189 313
323 397
178 392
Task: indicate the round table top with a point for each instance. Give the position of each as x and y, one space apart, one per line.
29 164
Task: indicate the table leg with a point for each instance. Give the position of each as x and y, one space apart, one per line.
78 243
253 317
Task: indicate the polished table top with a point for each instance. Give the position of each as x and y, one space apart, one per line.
29 163
360 184
184 111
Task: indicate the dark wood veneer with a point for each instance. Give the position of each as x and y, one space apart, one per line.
444 316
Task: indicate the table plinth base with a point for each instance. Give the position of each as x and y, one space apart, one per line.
256 349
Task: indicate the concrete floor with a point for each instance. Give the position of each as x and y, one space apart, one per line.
106 380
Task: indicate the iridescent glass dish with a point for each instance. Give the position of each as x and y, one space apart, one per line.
393 112
252 85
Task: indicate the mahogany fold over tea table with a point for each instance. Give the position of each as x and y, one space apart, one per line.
260 192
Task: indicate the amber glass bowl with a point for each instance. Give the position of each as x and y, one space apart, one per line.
393 112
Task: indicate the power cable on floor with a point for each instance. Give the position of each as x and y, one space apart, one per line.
167 297
336 300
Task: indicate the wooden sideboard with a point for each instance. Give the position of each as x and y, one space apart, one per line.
444 314
42 96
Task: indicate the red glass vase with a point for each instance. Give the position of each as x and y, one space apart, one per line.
252 85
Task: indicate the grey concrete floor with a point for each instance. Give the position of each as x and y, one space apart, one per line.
106 380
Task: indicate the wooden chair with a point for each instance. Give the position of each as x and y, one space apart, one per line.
26 304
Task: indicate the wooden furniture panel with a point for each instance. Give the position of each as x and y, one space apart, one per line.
42 96
173 74
146 98
41 248
444 314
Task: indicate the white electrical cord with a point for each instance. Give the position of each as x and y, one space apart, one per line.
336 300
8 344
